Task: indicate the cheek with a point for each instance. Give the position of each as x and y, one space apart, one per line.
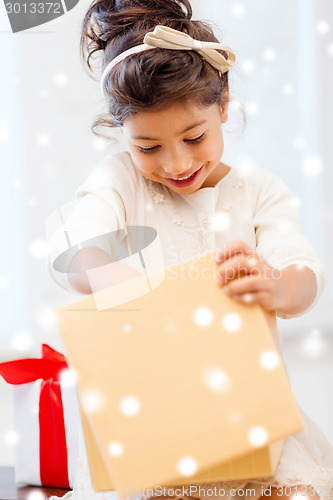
143 163
213 149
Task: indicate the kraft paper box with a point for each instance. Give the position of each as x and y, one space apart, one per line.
180 386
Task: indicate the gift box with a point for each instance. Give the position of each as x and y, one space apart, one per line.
180 386
47 419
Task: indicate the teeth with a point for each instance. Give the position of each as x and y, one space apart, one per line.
183 178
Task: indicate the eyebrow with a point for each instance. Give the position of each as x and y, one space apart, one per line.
142 138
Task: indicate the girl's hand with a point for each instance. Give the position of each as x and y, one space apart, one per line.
246 277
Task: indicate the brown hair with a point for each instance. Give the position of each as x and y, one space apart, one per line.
154 78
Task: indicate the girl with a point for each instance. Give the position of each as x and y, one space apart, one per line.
165 81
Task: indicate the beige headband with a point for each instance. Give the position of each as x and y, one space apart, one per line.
168 38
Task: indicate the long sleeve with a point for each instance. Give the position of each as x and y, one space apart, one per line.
97 218
278 231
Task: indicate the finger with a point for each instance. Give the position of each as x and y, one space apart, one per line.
248 284
236 267
232 249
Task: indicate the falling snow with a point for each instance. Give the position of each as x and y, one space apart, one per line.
4 282
232 322
127 328
258 436
32 203
171 326
203 316
4 131
247 66
36 495
312 166
323 27
92 400
61 79
187 466
217 380
115 449
269 54
299 142
295 202
288 89
269 360
100 144
45 317
43 139
221 222
313 345
252 108
11 437
237 10
68 377
38 249
21 341
130 406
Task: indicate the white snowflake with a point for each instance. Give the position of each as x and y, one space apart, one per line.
130 405
237 10
203 316
4 131
299 142
252 108
38 249
248 66
323 27
288 89
60 79
312 166
92 400
177 219
269 54
21 341
43 139
187 466
258 436
4 282
116 449
11 437
217 380
158 198
269 360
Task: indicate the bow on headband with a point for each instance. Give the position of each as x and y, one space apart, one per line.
167 38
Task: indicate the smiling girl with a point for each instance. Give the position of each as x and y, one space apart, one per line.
165 82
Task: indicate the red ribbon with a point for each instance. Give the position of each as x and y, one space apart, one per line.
52 436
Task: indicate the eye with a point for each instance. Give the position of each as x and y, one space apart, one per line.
196 140
147 150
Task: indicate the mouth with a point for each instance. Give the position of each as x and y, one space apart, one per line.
185 181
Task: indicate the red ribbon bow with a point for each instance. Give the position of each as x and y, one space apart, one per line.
52 436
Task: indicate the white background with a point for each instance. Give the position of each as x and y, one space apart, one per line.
284 77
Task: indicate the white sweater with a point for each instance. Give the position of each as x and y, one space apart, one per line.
254 206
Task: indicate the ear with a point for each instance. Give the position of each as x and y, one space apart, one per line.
225 106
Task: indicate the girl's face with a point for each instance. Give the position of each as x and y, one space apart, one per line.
179 141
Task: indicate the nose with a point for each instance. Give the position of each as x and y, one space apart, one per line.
177 162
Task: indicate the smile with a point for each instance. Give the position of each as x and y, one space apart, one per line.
185 181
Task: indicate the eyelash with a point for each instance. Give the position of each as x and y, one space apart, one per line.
193 141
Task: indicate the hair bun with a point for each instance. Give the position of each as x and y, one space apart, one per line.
179 9
106 20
